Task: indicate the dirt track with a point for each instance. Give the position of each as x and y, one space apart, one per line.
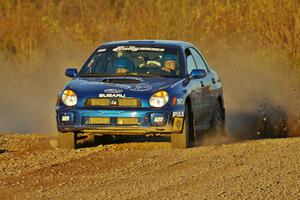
31 167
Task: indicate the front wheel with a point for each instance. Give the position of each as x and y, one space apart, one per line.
67 140
182 140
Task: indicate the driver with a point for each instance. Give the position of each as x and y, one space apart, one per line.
169 63
169 66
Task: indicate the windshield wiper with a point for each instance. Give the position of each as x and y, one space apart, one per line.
102 75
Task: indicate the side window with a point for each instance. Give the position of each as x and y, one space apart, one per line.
199 61
190 61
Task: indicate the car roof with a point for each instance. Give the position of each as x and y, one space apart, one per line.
170 43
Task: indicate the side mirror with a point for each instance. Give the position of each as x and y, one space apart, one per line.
71 72
198 73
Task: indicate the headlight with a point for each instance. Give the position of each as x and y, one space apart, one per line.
69 98
159 99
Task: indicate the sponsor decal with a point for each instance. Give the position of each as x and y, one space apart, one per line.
141 88
113 102
101 50
178 122
180 101
65 118
178 114
134 48
158 119
112 95
113 91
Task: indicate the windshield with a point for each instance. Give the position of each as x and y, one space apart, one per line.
133 61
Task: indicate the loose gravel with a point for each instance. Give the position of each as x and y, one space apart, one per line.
32 167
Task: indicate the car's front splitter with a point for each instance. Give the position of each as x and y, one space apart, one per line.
148 121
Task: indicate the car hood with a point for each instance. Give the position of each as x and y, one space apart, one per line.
126 86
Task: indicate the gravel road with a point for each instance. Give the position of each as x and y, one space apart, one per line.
31 167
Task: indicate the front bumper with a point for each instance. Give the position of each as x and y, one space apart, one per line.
74 120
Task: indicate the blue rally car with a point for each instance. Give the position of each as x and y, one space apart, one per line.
141 88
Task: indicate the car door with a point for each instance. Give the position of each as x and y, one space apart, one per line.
206 83
195 88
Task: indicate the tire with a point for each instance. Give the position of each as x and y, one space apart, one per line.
218 121
67 140
182 140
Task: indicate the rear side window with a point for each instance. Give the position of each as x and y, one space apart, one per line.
198 59
190 61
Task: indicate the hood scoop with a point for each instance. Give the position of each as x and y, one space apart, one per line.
122 80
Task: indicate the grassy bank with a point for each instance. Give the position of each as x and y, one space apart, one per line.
30 28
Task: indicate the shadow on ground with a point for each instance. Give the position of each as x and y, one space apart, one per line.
107 140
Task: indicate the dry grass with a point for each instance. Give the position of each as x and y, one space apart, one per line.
29 26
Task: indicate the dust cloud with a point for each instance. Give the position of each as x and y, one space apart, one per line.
256 85
29 90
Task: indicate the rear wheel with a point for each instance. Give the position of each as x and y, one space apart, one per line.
218 122
182 140
67 140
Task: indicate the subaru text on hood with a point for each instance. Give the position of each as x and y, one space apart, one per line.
141 88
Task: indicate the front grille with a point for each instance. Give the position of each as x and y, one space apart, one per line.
118 121
115 102
127 121
98 120
128 102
